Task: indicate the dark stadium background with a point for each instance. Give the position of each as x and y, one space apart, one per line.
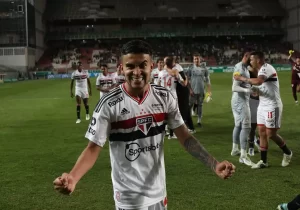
42 41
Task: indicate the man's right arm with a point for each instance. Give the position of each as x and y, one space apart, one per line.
85 161
97 134
72 84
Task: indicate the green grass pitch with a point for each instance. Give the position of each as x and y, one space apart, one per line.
39 140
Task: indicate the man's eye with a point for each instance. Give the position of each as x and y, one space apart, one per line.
142 65
130 66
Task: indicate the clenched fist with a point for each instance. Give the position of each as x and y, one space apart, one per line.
65 184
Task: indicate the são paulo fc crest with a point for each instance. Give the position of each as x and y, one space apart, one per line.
144 123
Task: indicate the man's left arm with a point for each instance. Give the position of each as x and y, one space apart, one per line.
252 81
223 169
89 85
207 80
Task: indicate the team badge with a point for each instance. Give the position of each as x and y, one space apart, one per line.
144 124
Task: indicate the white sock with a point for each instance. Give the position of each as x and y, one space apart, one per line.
199 120
243 153
235 146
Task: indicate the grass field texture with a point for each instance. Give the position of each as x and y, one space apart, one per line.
39 140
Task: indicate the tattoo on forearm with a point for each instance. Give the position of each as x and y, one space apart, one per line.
198 151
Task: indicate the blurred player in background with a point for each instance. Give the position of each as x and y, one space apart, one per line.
269 111
198 76
155 72
241 111
253 102
295 75
169 78
183 95
105 81
136 137
119 76
82 90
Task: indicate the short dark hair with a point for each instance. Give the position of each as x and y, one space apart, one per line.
169 61
259 54
159 59
136 47
104 65
196 54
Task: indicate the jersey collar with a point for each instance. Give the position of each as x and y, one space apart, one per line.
138 100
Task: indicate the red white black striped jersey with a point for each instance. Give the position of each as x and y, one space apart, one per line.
135 129
154 75
269 94
80 79
120 79
105 81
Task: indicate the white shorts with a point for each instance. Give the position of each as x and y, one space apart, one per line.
269 117
242 116
253 109
158 206
82 93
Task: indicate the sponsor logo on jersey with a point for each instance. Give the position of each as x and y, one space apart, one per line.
91 131
157 106
124 111
144 123
113 103
93 121
134 150
161 94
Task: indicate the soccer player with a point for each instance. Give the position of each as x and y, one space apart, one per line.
269 111
82 90
198 76
293 205
119 76
241 111
183 95
105 82
132 117
295 76
155 72
168 78
253 102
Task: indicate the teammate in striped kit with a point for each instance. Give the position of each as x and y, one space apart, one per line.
169 78
82 90
253 102
269 111
119 76
136 137
155 72
105 81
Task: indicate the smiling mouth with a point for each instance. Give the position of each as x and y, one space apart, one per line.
139 79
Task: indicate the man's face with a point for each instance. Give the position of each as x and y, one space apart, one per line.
298 61
80 67
137 70
197 60
160 65
119 69
104 70
254 61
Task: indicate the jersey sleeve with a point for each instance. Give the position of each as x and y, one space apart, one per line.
98 80
266 71
87 74
114 79
99 127
189 72
207 76
72 75
174 117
